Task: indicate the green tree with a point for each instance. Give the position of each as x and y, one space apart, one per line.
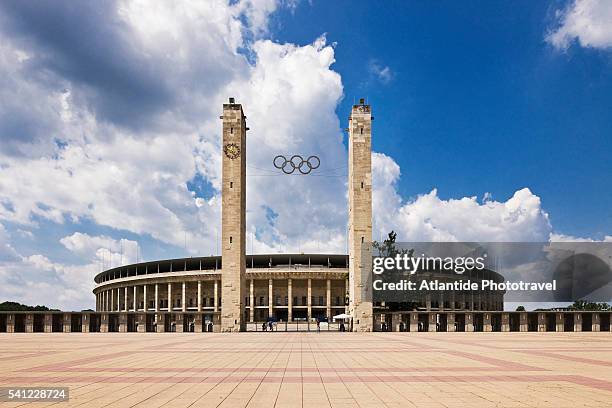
520 308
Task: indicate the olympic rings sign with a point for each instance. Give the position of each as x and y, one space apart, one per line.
288 166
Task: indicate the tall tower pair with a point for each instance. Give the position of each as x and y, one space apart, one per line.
233 214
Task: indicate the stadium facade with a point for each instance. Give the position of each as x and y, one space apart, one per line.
235 292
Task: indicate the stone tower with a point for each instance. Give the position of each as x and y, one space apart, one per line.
233 218
360 214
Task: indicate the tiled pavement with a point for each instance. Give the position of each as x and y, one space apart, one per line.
314 370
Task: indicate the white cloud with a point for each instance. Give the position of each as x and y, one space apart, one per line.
587 21
430 218
382 72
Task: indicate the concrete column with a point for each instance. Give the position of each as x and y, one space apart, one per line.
183 303
524 322
156 308
559 322
309 299
135 298
577 322
144 299
541 322
142 319
216 309
328 300
414 322
170 297
85 322
469 322
595 325
505 322
103 323
67 322
251 301
160 328
289 300
200 297
487 322
29 323
270 298
118 299
450 322
125 301
112 302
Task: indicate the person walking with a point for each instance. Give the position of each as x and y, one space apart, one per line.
318 326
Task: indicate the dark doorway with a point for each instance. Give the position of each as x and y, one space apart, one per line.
587 322
169 327
113 323
551 322
515 322
38 324
94 323
423 325
188 323
496 322
532 322
76 323
459 322
442 322
604 322
568 322
20 323
132 323
478 322
150 323
3 318
57 324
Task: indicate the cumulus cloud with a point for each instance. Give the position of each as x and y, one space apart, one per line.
430 218
586 21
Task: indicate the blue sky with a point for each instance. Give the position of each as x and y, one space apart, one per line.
492 123
478 100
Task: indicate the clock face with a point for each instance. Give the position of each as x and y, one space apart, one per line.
231 150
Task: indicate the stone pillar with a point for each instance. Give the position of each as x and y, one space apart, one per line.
270 298
541 322
289 300
360 214
577 322
29 323
144 298
450 322
595 325
125 302
112 302
135 300
233 217
200 300
118 299
160 318
559 322
396 319
156 308
505 327
183 302
67 320
85 322
104 323
142 321
469 322
487 322
123 323
309 299
48 323
198 323
414 322
523 322
179 322
216 297
251 301
328 300
170 297
433 322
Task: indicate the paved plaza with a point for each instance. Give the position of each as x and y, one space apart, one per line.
314 370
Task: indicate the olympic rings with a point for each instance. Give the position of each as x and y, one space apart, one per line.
288 166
